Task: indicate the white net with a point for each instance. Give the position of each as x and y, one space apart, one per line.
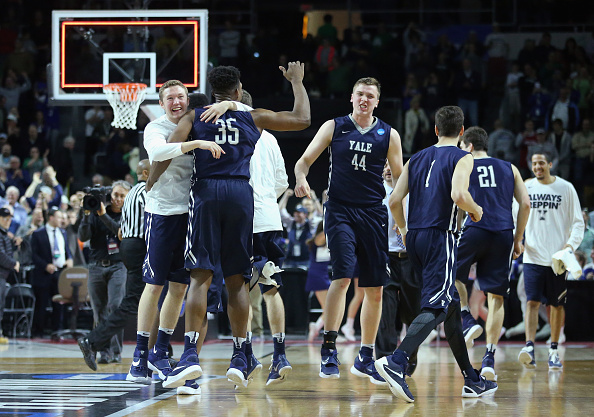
125 99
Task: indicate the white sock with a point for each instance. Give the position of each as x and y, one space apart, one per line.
350 322
248 337
491 347
193 336
168 331
465 309
238 341
279 336
143 334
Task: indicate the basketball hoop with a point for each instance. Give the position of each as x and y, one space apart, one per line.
125 99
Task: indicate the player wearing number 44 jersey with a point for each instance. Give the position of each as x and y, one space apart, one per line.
437 178
220 223
355 220
490 242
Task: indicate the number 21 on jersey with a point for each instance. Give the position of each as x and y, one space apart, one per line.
228 133
486 176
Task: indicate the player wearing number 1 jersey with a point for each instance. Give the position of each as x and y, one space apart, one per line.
221 211
491 242
355 220
437 178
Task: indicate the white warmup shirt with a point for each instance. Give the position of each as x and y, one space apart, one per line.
171 193
269 180
555 220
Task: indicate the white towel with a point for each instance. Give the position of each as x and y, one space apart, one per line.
565 260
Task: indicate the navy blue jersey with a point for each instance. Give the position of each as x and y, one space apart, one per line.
430 187
236 133
492 187
357 162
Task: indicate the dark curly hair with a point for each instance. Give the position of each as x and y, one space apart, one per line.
224 79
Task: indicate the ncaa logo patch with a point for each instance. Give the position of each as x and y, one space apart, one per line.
381 131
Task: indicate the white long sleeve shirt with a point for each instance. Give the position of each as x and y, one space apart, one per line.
555 220
269 180
171 193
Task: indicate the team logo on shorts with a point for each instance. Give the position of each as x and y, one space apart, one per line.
381 131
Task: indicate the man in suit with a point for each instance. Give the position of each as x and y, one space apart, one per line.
51 254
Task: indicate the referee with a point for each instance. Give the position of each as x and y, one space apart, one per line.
133 249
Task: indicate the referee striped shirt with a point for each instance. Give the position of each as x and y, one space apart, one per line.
132 222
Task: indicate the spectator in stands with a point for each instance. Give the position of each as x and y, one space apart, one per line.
16 176
318 278
497 51
527 84
19 213
565 110
5 156
501 143
32 141
511 105
410 90
299 232
581 144
433 94
538 104
416 127
468 87
324 61
544 48
527 54
314 209
53 190
525 139
582 83
588 269
588 241
327 31
412 38
35 162
33 222
63 161
562 141
544 145
12 89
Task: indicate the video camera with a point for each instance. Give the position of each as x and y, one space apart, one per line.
94 196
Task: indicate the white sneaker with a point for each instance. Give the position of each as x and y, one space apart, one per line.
349 333
517 330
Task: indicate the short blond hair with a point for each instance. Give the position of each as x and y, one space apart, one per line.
171 83
369 81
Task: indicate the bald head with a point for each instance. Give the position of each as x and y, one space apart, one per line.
143 170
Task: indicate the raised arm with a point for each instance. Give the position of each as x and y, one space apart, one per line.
460 194
297 119
321 141
523 199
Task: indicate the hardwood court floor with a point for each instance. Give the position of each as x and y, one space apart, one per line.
48 379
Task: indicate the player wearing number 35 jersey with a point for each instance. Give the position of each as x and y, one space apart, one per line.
355 220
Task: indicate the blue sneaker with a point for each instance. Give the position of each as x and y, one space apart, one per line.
475 389
526 357
394 375
329 365
554 361
139 372
158 361
470 328
188 368
254 367
364 367
488 366
279 370
191 387
238 368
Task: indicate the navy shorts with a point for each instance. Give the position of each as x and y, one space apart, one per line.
266 249
492 251
358 235
165 242
220 226
432 253
544 286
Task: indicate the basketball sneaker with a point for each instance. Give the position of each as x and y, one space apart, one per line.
191 387
554 361
279 370
488 366
188 368
253 366
349 333
475 389
139 372
526 357
470 328
88 352
394 375
238 368
158 361
364 367
329 365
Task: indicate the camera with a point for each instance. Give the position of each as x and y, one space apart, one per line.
94 196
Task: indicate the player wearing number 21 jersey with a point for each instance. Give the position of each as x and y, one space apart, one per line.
355 220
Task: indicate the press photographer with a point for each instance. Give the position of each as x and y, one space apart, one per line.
101 213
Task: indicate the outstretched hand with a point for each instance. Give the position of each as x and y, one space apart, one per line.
295 72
